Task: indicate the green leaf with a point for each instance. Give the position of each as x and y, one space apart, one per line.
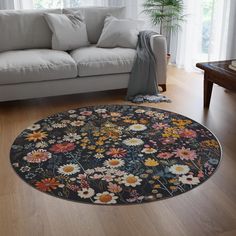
168 14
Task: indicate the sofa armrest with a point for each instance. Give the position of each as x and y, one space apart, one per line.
158 44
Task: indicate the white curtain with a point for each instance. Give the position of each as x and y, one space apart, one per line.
16 4
186 47
131 5
231 48
23 4
6 4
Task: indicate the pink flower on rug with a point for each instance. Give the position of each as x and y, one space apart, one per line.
86 113
82 176
185 154
116 152
158 126
96 176
119 172
105 115
188 133
38 156
73 187
168 140
200 174
62 147
84 184
165 155
108 178
114 188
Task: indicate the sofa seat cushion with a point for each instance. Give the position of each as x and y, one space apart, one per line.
102 61
35 65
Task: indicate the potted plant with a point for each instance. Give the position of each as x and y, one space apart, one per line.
166 15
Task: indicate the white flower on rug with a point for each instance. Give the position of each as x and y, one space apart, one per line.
105 198
71 111
101 110
133 142
189 179
99 155
150 113
100 169
81 117
131 180
68 169
51 141
137 127
25 169
73 116
114 163
149 150
86 193
71 137
34 127
59 125
179 169
89 171
65 121
139 111
96 176
77 123
41 144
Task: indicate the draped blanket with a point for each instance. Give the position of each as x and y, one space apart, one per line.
143 85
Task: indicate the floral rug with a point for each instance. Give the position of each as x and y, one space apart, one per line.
115 154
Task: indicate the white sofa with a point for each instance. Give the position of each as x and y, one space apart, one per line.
29 68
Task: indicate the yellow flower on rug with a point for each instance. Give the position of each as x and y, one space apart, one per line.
151 162
36 136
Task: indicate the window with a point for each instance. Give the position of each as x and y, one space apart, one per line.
207 11
44 4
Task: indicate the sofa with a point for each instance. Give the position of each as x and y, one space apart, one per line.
29 68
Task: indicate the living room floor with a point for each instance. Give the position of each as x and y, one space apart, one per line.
209 209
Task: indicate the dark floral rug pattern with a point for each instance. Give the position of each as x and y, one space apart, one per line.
115 154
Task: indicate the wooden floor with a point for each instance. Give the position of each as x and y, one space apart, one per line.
210 209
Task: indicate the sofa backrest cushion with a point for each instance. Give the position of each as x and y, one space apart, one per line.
24 29
94 18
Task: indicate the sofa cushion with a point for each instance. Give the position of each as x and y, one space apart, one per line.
102 61
119 33
69 31
24 29
94 18
35 65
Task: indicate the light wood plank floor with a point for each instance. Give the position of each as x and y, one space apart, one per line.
209 209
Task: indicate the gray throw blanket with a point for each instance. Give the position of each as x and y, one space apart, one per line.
143 85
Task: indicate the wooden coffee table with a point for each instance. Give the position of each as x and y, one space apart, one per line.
219 73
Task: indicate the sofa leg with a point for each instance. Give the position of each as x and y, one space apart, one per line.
163 86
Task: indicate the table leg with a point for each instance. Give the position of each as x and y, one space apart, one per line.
207 90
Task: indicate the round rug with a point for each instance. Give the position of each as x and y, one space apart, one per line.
115 154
